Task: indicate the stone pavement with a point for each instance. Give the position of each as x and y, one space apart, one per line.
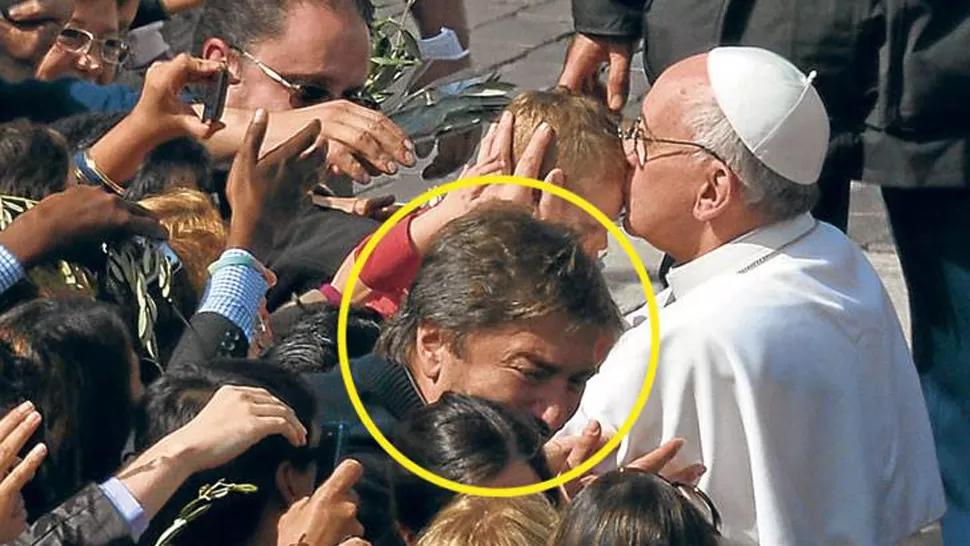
525 41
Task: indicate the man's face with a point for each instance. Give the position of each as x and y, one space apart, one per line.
539 366
75 55
662 192
320 46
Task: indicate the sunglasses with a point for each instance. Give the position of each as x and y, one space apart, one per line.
306 94
113 51
640 137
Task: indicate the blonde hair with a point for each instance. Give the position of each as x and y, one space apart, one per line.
195 230
483 521
587 145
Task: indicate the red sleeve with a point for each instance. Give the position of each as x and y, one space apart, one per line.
394 263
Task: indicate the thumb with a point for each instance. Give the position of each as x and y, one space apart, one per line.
546 210
658 458
618 83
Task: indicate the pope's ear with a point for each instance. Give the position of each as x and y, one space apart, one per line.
720 189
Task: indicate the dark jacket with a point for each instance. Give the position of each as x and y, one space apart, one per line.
209 335
388 395
86 519
309 250
918 135
44 102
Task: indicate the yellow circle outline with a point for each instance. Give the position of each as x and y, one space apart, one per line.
388 447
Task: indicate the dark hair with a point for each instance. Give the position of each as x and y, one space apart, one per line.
635 509
34 161
311 345
176 399
75 366
497 265
464 439
83 130
244 22
169 162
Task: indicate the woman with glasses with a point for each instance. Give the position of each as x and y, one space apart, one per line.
636 508
90 47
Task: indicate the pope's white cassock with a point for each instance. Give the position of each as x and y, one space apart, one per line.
784 367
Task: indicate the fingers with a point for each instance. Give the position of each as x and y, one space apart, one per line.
588 443
579 65
548 203
140 221
485 146
13 442
372 135
658 458
502 148
24 471
14 417
36 10
690 474
372 205
618 82
295 145
280 419
530 164
340 481
253 140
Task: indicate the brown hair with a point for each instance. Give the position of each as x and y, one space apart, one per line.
195 228
586 145
482 521
497 265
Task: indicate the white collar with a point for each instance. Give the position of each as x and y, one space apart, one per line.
741 254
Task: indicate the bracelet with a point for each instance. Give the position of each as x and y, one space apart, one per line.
85 167
240 257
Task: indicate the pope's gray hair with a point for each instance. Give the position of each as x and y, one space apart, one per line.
767 192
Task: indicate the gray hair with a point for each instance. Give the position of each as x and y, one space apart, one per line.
765 191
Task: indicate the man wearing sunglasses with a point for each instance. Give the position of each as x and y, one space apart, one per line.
284 55
782 363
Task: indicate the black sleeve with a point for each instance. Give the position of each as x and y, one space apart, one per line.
208 336
621 19
149 11
86 519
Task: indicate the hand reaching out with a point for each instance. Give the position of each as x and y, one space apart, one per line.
16 428
329 516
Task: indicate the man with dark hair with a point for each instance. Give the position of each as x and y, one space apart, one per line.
504 307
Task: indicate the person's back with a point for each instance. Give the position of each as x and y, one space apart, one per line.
810 416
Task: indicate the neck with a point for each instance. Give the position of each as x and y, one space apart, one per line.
267 534
716 234
426 387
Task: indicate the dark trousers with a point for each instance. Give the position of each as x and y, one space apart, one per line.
932 232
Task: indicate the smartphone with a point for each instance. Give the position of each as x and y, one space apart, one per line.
332 448
214 96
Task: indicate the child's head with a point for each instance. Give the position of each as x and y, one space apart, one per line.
638 509
587 149
34 161
485 521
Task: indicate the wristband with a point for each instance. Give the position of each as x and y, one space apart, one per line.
238 256
443 47
85 167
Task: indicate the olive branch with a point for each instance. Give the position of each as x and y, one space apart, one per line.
197 508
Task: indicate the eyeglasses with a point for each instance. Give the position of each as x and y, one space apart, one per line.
640 137
309 94
692 494
113 51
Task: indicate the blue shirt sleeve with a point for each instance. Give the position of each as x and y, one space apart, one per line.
11 271
127 506
236 292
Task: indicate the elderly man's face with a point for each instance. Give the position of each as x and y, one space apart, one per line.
662 192
539 366
320 46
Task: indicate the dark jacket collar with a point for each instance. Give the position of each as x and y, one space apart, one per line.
388 383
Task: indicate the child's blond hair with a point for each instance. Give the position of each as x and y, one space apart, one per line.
587 144
484 521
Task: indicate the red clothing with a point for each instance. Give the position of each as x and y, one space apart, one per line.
388 272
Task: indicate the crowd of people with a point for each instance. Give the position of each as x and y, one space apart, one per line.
169 285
